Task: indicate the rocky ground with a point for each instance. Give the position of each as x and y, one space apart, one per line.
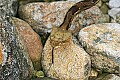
90 53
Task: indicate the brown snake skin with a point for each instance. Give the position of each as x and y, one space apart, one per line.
75 9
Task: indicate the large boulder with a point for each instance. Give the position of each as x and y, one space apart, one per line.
32 41
15 64
64 60
102 42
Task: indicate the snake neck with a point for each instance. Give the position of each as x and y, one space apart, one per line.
74 10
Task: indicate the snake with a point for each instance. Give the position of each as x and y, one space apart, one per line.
61 36
75 9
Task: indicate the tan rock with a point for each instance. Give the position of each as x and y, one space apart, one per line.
32 41
102 42
64 60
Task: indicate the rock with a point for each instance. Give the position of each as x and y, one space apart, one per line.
118 18
108 77
105 0
114 4
114 12
64 60
104 8
32 41
43 16
101 41
23 2
93 74
8 7
16 64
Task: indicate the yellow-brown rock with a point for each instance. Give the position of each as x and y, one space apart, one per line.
102 42
64 60
32 41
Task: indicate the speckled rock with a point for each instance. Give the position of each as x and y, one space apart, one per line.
16 64
32 41
101 41
114 4
93 74
66 60
23 2
43 16
108 77
8 7
114 12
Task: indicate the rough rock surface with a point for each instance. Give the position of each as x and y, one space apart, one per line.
108 77
32 41
43 16
114 3
16 64
8 7
102 42
114 12
65 61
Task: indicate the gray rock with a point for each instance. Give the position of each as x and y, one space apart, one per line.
66 61
8 7
15 64
102 42
108 77
32 41
114 12
114 3
43 16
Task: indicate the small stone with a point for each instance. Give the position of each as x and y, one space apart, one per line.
104 8
102 42
93 74
114 3
39 74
